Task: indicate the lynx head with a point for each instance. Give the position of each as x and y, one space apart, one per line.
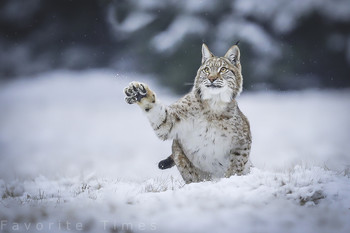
219 77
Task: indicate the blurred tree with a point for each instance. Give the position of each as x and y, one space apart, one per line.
36 35
284 44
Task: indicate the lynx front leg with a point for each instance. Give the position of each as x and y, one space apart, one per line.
239 162
188 172
158 115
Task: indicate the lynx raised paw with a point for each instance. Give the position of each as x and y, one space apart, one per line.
135 92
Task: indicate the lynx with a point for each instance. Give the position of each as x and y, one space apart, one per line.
211 136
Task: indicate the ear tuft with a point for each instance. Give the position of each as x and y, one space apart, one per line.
206 54
233 54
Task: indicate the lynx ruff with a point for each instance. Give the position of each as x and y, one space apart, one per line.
211 136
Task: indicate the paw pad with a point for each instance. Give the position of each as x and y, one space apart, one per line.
135 92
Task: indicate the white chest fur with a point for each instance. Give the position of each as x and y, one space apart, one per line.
206 144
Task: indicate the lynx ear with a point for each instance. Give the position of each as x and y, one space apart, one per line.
206 53
233 54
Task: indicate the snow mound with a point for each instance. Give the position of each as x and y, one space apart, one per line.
263 201
74 157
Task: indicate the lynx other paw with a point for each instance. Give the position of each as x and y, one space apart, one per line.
135 92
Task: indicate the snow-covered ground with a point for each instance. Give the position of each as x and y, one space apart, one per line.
74 157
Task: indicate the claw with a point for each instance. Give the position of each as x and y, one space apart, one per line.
133 87
143 90
142 87
127 92
130 100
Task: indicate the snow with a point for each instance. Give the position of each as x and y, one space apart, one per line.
182 26
195 6
262 42
74 157
133 22
285 15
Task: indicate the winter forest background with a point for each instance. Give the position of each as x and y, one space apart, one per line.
74 157
285 44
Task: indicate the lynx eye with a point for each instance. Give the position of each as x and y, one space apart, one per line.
223 70
206 70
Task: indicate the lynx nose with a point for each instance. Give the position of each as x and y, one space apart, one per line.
212 78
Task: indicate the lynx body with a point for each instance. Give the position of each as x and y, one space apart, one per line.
211 136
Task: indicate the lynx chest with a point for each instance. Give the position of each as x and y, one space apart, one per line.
207 142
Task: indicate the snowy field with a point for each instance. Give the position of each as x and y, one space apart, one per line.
74 157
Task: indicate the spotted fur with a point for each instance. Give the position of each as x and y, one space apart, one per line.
211 136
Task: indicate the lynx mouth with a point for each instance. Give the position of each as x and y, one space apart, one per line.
213 86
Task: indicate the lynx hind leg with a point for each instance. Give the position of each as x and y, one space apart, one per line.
187 170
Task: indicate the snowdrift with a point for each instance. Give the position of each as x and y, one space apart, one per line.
74 157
